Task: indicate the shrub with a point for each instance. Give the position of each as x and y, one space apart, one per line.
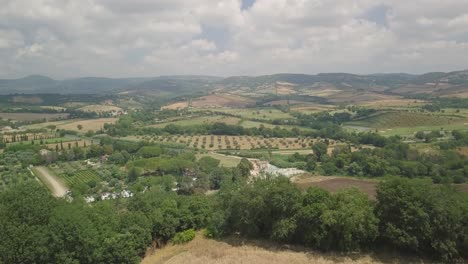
184 237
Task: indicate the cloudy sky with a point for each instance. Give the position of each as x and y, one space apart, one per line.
121 38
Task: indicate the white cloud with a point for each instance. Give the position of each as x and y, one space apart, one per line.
154 37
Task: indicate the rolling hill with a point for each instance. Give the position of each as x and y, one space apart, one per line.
328 85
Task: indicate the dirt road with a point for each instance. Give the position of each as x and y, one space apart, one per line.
56 186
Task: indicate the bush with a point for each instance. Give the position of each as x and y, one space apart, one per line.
184 237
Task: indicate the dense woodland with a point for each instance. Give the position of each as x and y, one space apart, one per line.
411 215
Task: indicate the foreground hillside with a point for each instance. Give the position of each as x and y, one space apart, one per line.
207 251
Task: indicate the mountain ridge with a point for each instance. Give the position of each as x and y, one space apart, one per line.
435 83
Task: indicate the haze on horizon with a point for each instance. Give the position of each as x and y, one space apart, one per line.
120 38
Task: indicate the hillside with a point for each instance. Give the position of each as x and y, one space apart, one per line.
327 85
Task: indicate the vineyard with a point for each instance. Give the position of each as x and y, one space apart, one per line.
216 142
83 176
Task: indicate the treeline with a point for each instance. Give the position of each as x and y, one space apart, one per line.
37 228
410 215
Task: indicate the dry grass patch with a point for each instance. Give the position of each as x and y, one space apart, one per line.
100 108
88 124
235 250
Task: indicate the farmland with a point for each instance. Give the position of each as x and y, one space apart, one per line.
86 124
259 113
32 116
100 108
83 176
217 142
219 100
406 123
200 120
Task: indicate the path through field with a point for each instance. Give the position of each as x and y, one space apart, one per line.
55 184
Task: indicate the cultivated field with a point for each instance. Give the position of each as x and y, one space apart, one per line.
216 142
100 108
200 121
32 116
252 113
214 101
84 176
405 123
75 172
333 184
87 124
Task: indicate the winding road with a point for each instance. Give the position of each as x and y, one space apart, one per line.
56 186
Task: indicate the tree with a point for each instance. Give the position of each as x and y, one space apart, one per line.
79 126
418 216
133 174
320 150
208 164
244 167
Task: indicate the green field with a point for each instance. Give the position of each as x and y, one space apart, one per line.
83 176
406 123
200 121
252 113
226 161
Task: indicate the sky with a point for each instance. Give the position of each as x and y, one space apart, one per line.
135 38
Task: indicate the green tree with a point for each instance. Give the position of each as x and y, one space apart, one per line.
320 150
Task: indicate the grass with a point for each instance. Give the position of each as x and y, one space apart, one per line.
237 250
226 161
83 176
87 124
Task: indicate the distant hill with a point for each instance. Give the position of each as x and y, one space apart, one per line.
323 84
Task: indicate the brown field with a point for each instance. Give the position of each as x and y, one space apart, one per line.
337 183
463 150
32 116
175 106
323 92
27 99
73 104
361 97
333 184
88 124
216 142
235 250
100 108
396 102
214 101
